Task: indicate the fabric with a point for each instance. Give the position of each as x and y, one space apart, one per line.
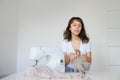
45 72
81 65
67 47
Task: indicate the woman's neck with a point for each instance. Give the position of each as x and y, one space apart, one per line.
75 38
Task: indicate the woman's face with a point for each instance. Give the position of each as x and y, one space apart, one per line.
75 28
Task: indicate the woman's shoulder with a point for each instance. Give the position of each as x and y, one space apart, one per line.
65 42
64 45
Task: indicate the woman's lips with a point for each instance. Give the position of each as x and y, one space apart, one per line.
76 30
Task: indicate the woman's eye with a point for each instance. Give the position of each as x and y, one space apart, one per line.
74 25
79 25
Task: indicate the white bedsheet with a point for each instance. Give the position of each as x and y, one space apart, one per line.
90 76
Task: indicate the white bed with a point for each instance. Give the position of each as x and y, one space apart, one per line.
54 64
90 76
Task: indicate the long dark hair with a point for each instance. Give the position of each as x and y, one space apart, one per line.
82 35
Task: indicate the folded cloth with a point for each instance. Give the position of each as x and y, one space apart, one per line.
80 65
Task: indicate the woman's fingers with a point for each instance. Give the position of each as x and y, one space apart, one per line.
83 56
72 56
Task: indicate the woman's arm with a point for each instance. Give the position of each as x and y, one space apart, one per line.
67 59
89 57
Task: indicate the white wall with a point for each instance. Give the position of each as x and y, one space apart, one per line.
8 37
42 22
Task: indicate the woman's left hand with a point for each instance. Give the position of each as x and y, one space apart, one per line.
83 56
86 57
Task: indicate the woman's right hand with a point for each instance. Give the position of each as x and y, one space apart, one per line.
72 56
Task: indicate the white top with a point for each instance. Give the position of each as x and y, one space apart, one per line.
67 47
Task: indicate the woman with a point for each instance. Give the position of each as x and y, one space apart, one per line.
75 38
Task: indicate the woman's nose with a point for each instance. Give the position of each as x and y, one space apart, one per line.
77 27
